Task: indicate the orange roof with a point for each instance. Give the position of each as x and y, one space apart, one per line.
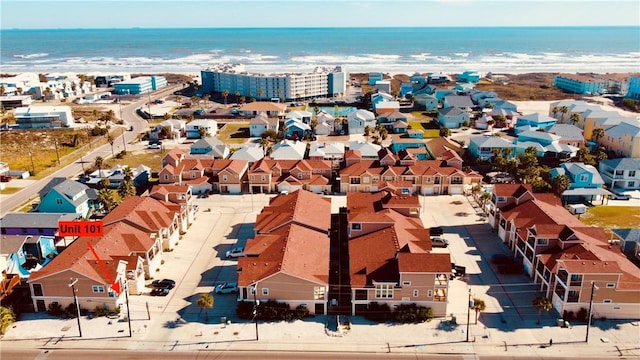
286 250
119 239
146 213
294 207
424 263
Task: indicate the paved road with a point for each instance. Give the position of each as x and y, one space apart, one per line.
129 116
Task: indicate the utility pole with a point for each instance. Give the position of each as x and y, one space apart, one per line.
255 309
468 314
593 289
75 299
126 296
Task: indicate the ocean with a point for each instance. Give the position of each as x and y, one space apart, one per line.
391 50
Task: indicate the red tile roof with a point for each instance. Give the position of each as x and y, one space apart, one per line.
295 207
424 263
119 239
286 250
145 213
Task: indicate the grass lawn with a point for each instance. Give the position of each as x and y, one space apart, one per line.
416 125
610 217
234 133
150 158
10 190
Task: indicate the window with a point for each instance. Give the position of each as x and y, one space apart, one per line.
97 289
356 226
384 291
37 289
542 242
318 292
252 290
365 180
58 201
611 285
166 177
406 283
300 175
631 184
632 173
429 293
584 178
405 191
265 291
224 178
416 293
263 178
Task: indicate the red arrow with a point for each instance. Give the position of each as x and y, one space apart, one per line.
115 286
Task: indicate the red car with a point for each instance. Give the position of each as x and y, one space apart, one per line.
4 178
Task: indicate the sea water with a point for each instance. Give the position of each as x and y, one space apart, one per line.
394 50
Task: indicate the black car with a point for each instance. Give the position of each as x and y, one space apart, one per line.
436 231
164 284
159 292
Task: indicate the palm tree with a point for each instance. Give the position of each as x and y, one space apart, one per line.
574 118
105 197
225 94
597 133
127 188
554 111
560 184
484 198
279 91
237 96
206 98
205 302
110 140
541 303
564 110
7 317
478 306
260 93
98 162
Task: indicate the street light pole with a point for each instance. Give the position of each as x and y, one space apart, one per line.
126 296
75 299
593 289
468 314
255 309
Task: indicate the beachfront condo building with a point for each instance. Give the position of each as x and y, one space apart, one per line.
634 88
43 117
140 85
579 84
235 79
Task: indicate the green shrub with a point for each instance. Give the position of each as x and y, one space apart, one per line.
100 311
271 311
378 312
55 309
412 313
582 315
71 311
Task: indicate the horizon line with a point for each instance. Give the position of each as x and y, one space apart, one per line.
328 27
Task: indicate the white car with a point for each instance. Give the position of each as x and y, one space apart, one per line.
234 252
227 288
153 146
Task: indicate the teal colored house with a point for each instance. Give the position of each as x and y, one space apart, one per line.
25 253
585 183
62 195
469 76
482 147
535 120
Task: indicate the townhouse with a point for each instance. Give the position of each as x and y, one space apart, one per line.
279 264
566 258
269 175
104 268
623 173
406 174
149 215
390 259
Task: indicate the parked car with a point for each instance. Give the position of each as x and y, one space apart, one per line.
5 178
439 242
227 288
619 197
154 146
160 292
199 112
164 283
436 231
234 252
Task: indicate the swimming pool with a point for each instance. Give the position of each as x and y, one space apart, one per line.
333 110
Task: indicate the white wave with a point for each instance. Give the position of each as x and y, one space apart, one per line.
31 56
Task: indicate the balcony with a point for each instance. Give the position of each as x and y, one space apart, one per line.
562 276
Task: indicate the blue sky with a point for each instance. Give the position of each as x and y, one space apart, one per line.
52 14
